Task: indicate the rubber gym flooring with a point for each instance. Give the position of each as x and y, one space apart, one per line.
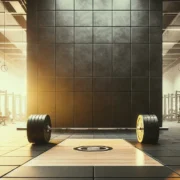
20 160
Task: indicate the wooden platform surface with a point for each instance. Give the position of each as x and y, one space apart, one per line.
122 154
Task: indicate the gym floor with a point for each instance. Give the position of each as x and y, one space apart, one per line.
19 159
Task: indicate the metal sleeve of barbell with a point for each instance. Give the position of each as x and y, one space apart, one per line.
21 129
163 128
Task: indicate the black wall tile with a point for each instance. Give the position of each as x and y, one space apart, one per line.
140 84
92 50
32 102
83 34
46 4
102 35
102 4
121 5
156 60
83 60
121 34
32 65
83 5
64 84
102 102
83 109
43 106
156 84
46 18
140 34
32 14
32 81
121 18
46 53
140 105
155 18
139 18
121 60
31 36
46 35
64 109
102 60
156 5
46 69
140 60
64 4
102 84
121 84
156 104
140 4
46 84
155 34
102 18
83 18
83 84
64 18
121 106
64 34
64 60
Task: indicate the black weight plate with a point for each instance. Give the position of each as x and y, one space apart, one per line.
40 124
147 128
38 131
155 131
34 128
156 137
30 128
47 133
151 129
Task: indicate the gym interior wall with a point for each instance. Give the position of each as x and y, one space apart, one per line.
95 63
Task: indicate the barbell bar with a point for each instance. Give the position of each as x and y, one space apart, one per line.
39 129
79 129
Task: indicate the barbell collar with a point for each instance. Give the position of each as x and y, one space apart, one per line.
21 129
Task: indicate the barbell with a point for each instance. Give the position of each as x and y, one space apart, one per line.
39 129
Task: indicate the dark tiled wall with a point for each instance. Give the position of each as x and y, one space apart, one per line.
94 63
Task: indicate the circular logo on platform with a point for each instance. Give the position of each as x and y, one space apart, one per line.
93 148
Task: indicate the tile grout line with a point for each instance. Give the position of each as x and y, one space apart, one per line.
55 67
112 58
130 46
74 63
28 160
92 61
149 68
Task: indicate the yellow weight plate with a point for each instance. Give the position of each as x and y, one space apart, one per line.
140 124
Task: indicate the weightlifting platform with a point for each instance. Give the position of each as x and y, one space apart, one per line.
120 153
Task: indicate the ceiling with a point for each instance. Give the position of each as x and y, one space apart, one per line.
171 34
13 36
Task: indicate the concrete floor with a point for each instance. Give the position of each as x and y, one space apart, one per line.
15 151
